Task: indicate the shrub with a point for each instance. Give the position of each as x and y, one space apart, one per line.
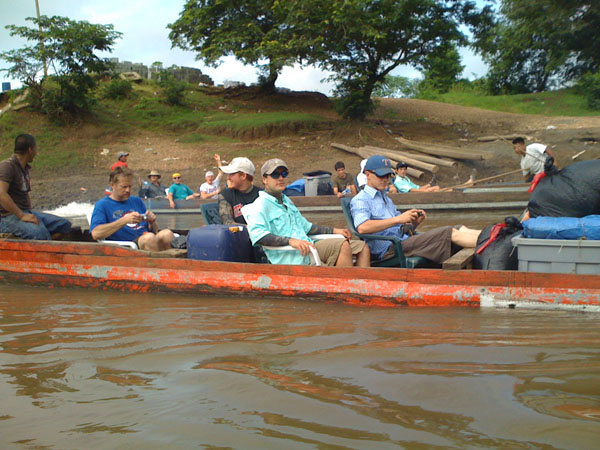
172 89
117 89
589 87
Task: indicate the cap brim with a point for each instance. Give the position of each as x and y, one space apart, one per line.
383 171
273 170
229 169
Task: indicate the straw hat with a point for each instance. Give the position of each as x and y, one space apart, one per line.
154 172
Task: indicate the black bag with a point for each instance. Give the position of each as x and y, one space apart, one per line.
571 192
500 253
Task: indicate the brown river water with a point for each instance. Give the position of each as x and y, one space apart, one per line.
90 369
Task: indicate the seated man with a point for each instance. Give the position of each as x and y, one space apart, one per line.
154 189
240 190
211 187
343 183
402 184
374 213
18 218
274 220
179 191
121 217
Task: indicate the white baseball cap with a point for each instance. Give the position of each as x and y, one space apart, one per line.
240 164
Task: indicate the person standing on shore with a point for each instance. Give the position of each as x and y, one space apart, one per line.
533 157
17 217
121 162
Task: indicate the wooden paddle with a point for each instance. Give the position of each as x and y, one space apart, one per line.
479 181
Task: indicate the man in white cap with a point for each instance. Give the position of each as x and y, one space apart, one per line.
275 221
240 191
211 187
121 162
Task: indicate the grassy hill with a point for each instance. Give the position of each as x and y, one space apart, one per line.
73 161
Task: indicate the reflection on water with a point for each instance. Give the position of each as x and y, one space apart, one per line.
86 369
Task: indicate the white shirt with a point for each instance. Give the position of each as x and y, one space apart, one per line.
209 188
533 161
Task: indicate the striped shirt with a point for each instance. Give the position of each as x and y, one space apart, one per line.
371 204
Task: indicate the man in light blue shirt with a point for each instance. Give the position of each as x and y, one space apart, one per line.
402 184
273 220
374 213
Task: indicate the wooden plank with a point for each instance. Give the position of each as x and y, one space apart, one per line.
405 158
440 151
364 153
459 260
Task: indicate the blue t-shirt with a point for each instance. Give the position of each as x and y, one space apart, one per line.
180 191
108 210
404 185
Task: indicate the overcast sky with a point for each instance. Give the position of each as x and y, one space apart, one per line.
145 39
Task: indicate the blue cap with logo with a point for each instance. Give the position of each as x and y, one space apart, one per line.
381 165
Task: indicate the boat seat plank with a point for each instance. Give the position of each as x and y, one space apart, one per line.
459 260
170 253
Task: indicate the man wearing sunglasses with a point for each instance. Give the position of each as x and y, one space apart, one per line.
274 220
179 191
374 213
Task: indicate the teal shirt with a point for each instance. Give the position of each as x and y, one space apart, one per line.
266 215
404 185
180 191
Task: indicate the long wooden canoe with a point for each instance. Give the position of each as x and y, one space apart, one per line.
101 266
480 198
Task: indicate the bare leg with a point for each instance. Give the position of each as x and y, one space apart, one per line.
364 257
165 237
464 239
345 256
156 242
469 230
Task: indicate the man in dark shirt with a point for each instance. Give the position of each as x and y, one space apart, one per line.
15 205
240 190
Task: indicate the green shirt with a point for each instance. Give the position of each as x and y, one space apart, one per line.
180 191
267 216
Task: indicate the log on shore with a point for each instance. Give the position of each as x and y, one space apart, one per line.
502 137
426 158
431 149
405 158
365 153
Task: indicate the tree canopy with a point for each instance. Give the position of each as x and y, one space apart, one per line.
69 49
536 44
252 30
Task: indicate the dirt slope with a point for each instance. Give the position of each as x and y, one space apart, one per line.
310 150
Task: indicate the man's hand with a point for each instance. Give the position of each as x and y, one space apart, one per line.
132 217
171 204
218 159
151 217
339 194
344 232
413 216
302 246
30 218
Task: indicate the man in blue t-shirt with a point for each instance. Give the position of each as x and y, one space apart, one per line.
121 217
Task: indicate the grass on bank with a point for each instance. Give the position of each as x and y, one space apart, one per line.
563 102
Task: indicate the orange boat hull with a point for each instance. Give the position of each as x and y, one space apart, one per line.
98 266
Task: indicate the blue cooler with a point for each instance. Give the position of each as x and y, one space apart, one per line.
219 243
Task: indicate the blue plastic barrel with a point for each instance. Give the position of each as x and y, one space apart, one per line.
5 86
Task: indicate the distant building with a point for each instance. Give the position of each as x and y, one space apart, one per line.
189 74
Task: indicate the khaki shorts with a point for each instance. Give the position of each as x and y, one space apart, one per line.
435 245
329 249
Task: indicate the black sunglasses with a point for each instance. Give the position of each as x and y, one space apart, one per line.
276 175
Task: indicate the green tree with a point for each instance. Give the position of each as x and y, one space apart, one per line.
68 47
442 69
254 31
535 45
362 41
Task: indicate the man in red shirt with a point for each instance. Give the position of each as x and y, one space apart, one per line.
122 162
